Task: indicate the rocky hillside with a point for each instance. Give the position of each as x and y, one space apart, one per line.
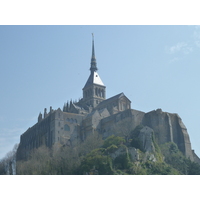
136 154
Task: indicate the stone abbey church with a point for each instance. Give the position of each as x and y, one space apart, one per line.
94 113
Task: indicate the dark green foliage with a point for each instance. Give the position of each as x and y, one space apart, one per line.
193 168
112 148
2 167
177 160
96 160
159 168
174 157
113 140
173 148
122 162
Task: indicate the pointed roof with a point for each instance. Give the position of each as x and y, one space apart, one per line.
94 78
93 59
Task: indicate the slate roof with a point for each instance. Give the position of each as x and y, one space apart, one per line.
107 101
94 78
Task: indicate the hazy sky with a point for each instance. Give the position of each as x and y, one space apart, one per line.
43 66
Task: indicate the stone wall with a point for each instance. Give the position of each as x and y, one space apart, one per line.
70 128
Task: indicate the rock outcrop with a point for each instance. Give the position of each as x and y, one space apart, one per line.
169 128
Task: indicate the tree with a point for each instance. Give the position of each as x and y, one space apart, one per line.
8 163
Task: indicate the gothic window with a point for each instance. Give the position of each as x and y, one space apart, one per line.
66 127
97 102
96 92
102 93
123 105
99 92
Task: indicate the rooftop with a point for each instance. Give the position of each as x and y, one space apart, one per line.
94 78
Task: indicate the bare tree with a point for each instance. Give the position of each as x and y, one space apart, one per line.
8 163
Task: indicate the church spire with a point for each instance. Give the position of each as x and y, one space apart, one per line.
93 63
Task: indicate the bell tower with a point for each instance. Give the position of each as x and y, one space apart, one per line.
94 90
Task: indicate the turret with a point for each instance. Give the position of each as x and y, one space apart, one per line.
45 113
40 117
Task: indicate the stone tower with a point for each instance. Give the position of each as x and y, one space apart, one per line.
94 90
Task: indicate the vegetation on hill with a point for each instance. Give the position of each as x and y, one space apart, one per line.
8 163
111 156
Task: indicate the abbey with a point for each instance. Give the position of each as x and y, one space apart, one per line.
95 113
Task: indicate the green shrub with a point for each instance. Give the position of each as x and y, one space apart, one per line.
96 160
113 140
112 148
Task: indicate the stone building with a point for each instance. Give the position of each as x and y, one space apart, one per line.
109 116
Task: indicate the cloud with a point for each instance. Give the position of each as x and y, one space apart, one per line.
182 47
196 36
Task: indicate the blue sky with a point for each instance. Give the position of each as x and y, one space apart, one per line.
43 66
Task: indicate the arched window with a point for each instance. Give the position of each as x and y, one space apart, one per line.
96 92
103 94
66 127
99 92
